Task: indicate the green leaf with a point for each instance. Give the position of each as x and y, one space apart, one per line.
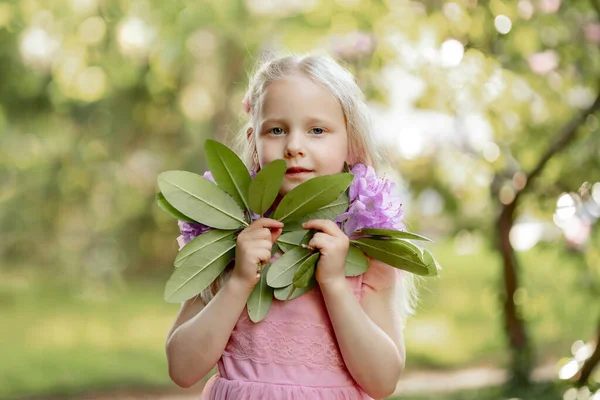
265 186
289 240
311 195
295 226
308 236
165 206
306 271
198 244
201 200
432 265
393 252
229 171
193 277
260 299
290 292
391 234
283 269
331 211
356 262
346 167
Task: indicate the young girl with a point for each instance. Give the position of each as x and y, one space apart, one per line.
341 340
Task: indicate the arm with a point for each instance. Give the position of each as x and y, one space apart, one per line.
369 335
200 333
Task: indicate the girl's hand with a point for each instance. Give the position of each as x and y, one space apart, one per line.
333 245
253 247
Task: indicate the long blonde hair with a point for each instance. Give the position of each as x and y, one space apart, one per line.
361 142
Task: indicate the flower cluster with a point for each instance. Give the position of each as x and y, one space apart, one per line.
372 203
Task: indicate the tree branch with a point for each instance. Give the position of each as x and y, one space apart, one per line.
564 136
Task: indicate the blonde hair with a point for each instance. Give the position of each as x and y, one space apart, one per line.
361 144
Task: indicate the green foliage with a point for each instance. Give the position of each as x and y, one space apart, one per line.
199 271
310 196
229 172
265 186
259 302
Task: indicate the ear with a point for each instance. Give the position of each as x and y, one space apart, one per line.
249 133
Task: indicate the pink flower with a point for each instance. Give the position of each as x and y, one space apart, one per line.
372 203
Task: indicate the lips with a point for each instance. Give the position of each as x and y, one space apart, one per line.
296 170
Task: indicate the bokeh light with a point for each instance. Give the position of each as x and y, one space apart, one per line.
92 30
503 24
452 52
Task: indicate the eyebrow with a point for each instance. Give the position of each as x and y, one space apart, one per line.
310 121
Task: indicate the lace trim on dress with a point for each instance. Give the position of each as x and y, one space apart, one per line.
271 342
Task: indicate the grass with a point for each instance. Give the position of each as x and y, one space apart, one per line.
61 340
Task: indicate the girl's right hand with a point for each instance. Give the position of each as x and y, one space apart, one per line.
253 247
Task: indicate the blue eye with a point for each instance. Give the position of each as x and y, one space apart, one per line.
277 131
318 131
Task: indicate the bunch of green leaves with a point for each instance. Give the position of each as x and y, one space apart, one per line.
228 206
293 273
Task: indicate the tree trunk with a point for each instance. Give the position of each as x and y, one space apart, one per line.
521 354
590 364
521 348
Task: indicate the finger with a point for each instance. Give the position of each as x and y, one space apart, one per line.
318 241
323 225
275 233
259 233
264 256
266 223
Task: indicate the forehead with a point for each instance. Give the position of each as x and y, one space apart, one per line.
300 96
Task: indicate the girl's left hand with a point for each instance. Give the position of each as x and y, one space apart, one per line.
333 245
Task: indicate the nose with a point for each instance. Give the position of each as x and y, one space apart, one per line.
294 145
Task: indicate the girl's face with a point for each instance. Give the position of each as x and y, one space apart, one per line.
302 123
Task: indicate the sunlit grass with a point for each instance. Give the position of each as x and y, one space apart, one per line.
62 340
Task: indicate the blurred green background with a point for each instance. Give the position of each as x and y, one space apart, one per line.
487 109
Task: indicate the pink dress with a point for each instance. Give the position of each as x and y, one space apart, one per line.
292 353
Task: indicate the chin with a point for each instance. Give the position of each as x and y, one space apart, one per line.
286 187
